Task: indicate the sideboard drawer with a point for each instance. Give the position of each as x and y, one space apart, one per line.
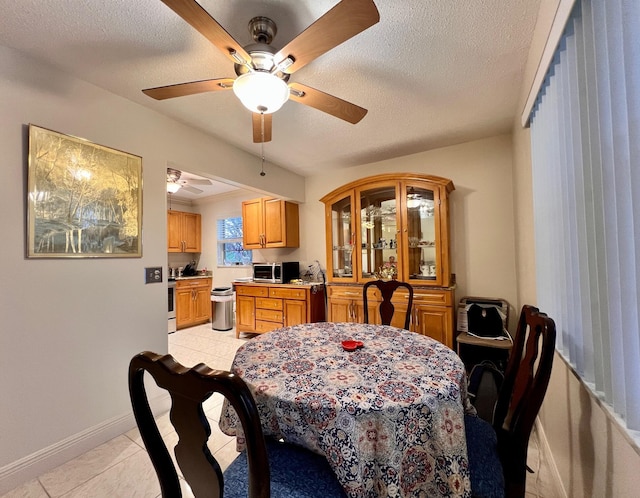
262 326
268 303
269 315
250 290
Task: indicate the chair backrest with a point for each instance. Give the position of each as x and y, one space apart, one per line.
525 384
387 288
189 388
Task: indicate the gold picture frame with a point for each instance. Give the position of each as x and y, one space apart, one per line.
84 200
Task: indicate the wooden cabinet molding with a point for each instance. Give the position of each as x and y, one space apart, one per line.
261 308
184 232
269 222
193 302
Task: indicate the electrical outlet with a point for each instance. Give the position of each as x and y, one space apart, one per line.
153 275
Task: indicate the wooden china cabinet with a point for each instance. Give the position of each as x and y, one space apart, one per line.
395 225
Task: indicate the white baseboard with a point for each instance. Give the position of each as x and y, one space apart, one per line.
545 449
25 469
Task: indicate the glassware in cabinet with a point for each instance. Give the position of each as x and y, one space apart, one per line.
341 241
423 255
390 225
378 211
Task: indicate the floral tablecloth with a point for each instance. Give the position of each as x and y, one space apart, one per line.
389 417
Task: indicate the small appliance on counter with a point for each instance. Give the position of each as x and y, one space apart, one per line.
276 273
189 270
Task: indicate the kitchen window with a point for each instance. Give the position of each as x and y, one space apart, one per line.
230 250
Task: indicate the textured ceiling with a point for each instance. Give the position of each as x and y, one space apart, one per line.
431 73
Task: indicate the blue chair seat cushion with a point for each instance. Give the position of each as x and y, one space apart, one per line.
487 478
295 473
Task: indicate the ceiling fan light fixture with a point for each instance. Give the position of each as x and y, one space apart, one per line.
173 187
284 64
261 92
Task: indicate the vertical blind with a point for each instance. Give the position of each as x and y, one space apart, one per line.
585 136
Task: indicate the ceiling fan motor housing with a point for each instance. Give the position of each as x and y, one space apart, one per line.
262 29
173 175
261 60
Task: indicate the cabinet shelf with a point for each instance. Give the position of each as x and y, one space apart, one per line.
422 277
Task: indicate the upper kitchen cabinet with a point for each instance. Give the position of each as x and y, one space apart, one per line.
184 232
393 225
269 222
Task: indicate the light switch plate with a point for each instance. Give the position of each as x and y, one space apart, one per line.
153 275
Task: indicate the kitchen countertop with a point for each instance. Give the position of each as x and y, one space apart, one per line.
189 278
269 284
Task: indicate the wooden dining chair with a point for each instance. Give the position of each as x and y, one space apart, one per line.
387 288
267 468
498 452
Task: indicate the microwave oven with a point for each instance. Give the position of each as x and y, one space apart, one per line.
276 273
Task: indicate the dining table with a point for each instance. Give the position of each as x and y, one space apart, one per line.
388 413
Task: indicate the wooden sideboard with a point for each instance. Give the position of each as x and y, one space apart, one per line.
264 307
432 313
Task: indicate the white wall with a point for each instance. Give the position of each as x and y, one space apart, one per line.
69 327
212 209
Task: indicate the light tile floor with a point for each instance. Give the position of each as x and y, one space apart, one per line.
121 468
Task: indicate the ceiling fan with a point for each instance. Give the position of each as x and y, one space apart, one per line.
174 183
263 72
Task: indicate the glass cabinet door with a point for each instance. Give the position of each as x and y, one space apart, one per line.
378 233
342 238
389 226
422 234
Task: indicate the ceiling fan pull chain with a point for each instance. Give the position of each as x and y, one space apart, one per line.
262 173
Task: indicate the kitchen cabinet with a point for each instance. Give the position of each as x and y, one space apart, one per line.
392 226
268 223
193 302
261 308
184 232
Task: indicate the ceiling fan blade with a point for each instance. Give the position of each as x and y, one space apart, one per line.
191 88
345 20
194 181
202 21
193 190
326 103
257 127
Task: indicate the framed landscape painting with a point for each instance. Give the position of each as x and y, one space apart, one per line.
84 200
